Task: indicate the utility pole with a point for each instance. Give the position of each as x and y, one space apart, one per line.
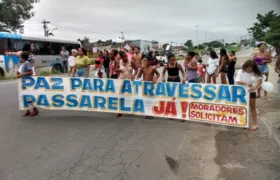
122 38
45 27
197 34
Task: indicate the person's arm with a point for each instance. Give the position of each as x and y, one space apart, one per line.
163 73
87 62
87 71
277 65
192 65
221 66
252 89
183 73
101 64
135 70
186 63
73 71
140 73
157 76
268 60
233 58
141 56
239 80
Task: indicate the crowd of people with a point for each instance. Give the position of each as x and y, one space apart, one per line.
133 65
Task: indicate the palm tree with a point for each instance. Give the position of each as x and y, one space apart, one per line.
50 33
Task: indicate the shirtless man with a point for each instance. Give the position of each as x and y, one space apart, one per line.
149 73
137 57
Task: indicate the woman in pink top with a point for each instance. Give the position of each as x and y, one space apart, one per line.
126 68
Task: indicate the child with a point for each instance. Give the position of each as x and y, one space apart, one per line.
201 72
250 77
149 72
27 70
99 65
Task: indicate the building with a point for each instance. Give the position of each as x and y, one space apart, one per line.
145 46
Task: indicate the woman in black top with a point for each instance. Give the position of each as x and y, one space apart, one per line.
173 69
231 67
223 68
106 63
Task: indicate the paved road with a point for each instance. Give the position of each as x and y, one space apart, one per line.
69 145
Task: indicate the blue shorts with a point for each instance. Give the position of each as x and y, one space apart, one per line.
193 81
81 72
264 68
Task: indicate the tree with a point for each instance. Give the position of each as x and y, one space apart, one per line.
216 44
84 41
189 44
200 46
14 13
99 41
109 42
233 44
273 34
267 28
164 46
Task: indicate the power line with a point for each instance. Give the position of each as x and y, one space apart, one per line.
74 29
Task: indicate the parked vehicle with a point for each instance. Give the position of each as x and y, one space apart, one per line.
162 58
46 52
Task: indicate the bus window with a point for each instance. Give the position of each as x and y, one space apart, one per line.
77 46
42 48
15 45
56 48
3 46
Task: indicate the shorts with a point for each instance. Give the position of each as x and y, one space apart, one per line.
264 68
81 72
253 95
114 76
211 74
193 81
141 78
224 69
175 79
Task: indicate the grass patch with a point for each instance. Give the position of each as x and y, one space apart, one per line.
7 78
180 58
236 49
48 73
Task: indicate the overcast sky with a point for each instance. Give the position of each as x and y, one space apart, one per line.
161 20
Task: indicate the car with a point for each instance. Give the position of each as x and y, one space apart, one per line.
162 58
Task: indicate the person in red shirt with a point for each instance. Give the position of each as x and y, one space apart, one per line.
201 71
99 63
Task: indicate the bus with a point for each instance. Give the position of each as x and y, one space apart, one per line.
46 52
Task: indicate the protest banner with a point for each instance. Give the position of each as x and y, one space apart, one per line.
209 103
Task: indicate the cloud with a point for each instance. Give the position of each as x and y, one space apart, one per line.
161 20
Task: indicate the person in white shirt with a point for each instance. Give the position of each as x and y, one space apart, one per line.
212 67
71 60
250 77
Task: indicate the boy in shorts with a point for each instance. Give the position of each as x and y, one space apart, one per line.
149 73
27 70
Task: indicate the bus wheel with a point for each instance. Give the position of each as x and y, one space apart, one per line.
57 68
2 73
